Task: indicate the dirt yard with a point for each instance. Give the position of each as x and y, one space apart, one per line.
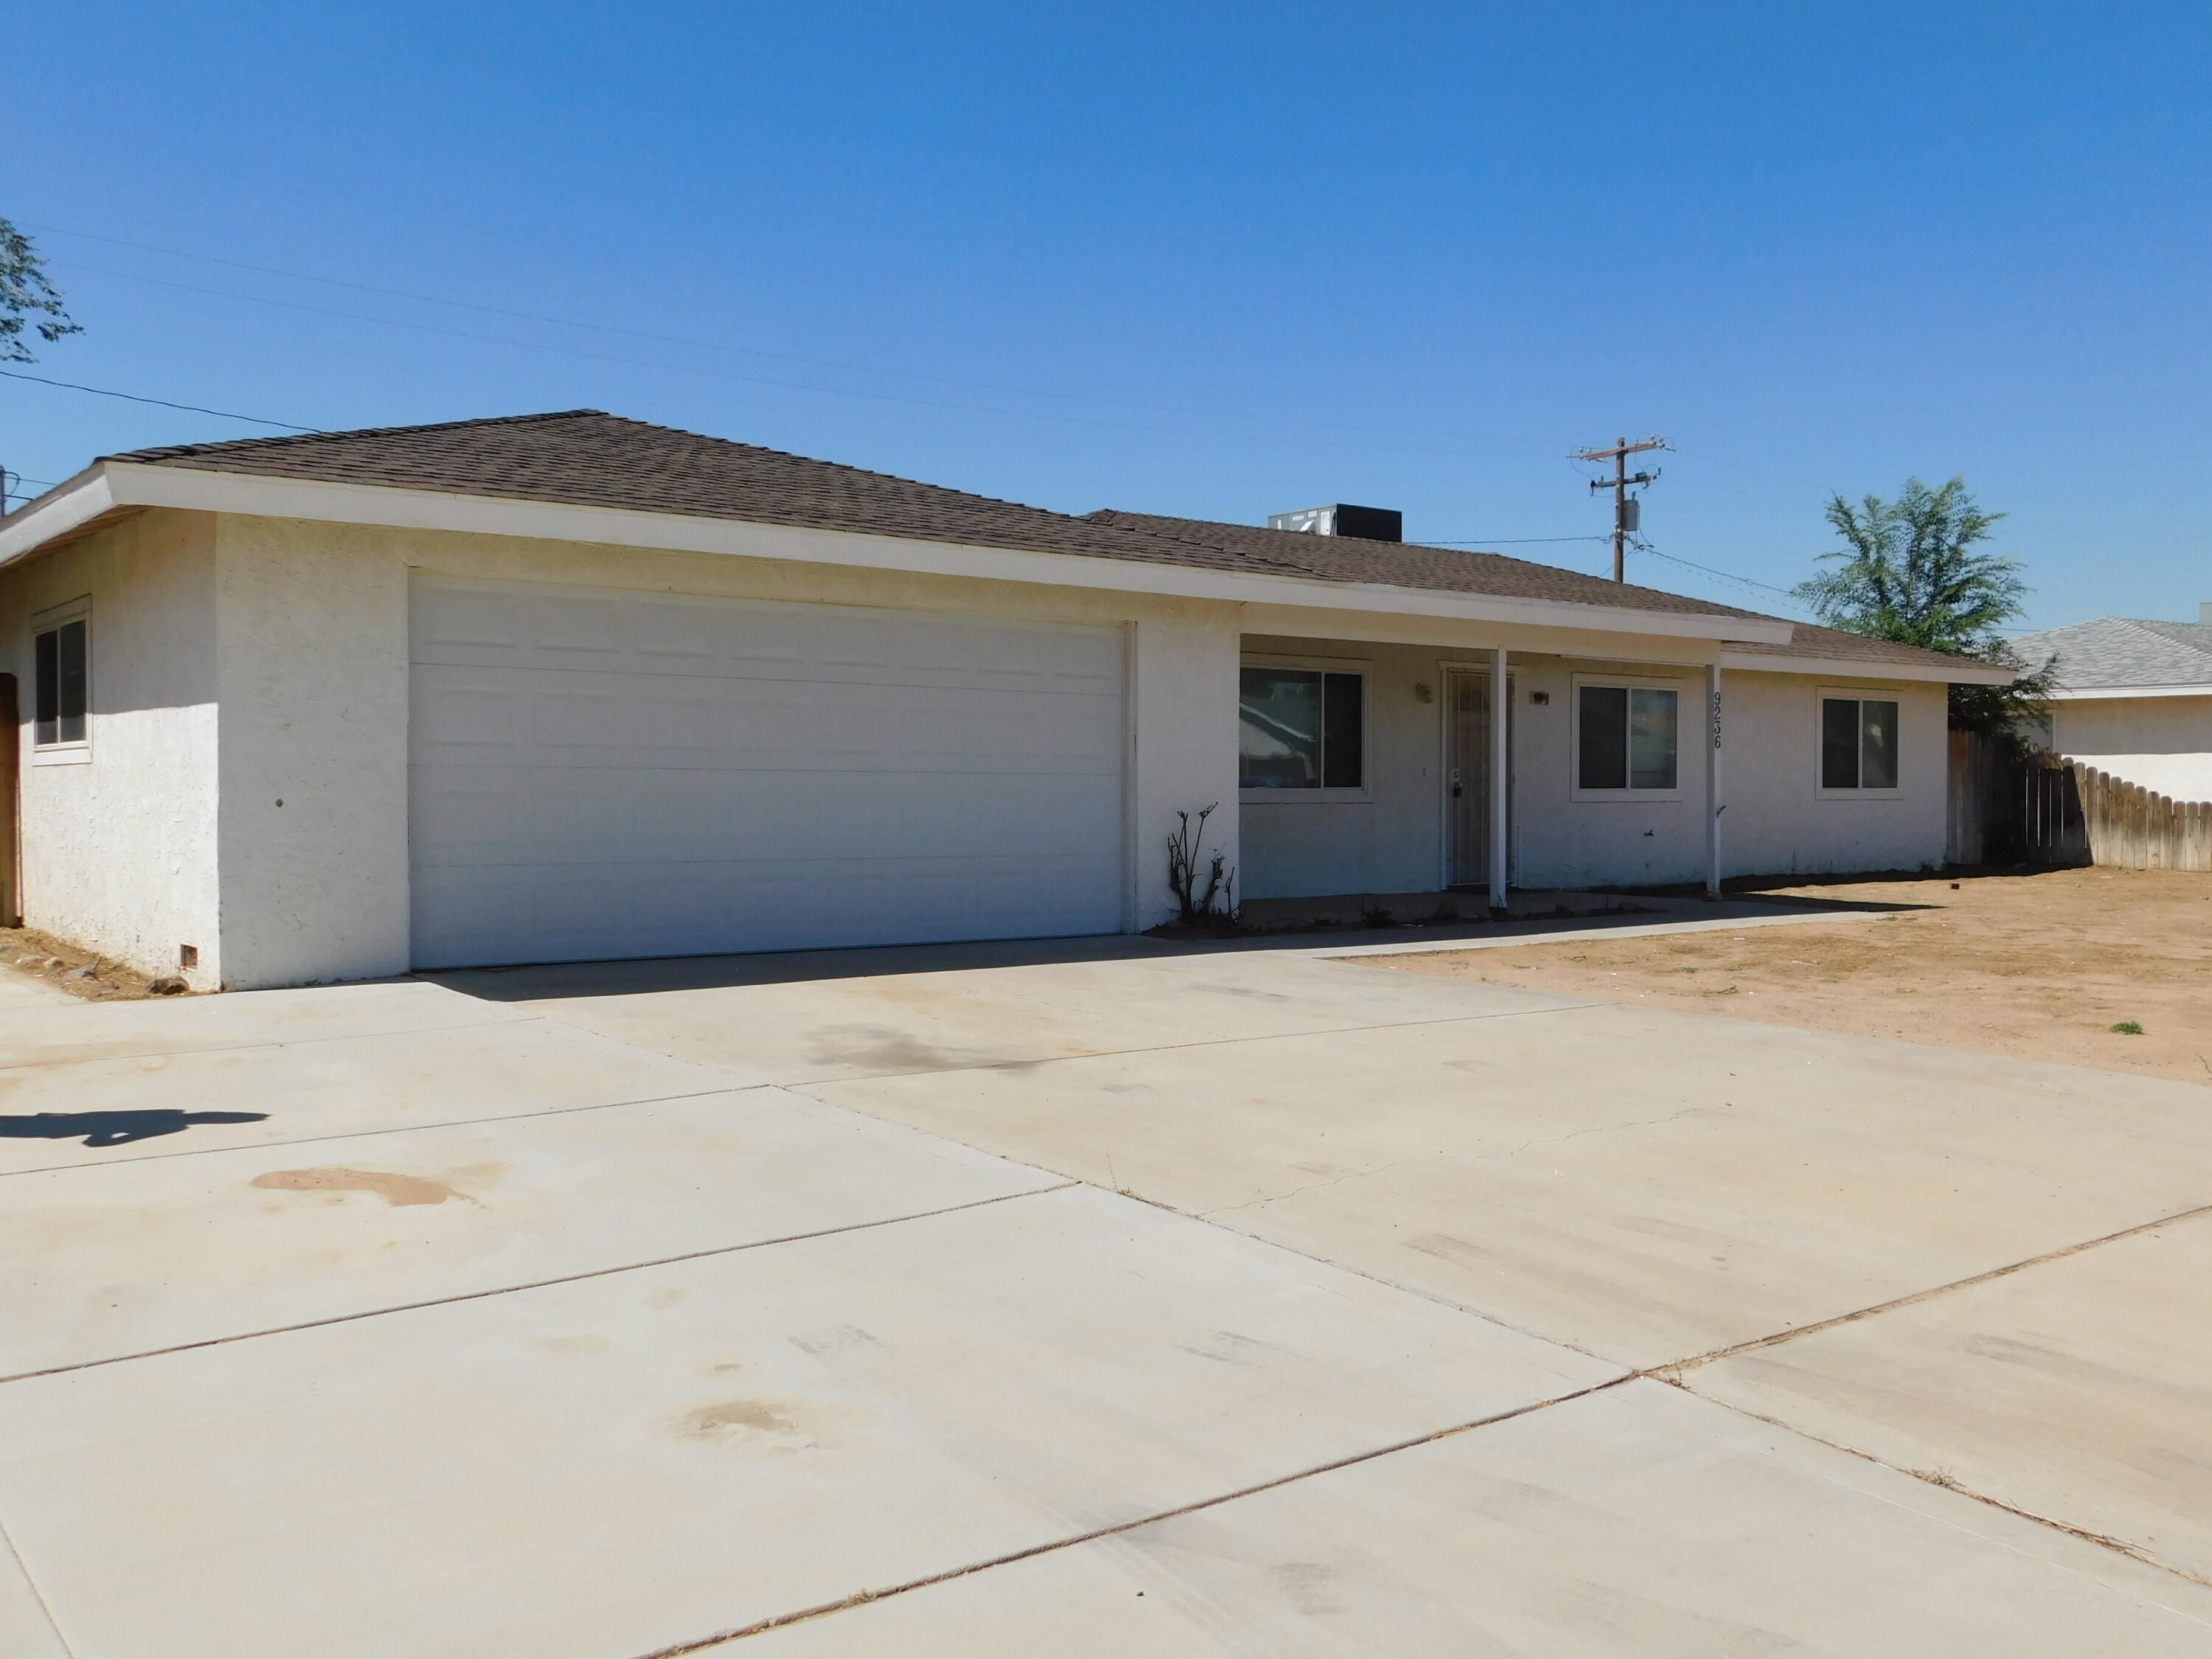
2043 965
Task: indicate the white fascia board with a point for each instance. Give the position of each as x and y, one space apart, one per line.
2084 693
1965 672
60 510
139 485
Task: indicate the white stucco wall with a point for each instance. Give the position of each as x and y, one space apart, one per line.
119 852
1776 820
314 630
2164 743
240 662
312 640
1779 822
1392 842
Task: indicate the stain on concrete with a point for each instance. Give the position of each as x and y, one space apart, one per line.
400 1191
833 1340
752 1425
1308 1585
887 1049
1228 1349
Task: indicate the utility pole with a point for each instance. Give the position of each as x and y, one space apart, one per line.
1625 516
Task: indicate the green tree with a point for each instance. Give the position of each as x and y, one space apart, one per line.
1913 571
25 294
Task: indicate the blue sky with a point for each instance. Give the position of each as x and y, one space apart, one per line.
1217 261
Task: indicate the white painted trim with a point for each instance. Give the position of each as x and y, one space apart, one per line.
1713 804
1364 795
1132 901
142 484
1824 695
1965 672
77 752
2087 692
1501 768
1480 668
1629 795
55 615
60 510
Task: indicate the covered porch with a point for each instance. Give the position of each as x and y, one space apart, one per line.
1394 775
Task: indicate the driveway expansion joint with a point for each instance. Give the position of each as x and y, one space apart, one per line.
357 1134
45 1608
541 1283
1936 1478
277 1047
861 1598
1673 1368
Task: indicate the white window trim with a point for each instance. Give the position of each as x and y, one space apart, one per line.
1446 667
1822 696
1364 795
1686 712
62 754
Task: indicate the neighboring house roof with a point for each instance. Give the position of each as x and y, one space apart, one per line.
2118 653
586 458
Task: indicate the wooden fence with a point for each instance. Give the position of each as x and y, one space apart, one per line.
2134 829
2011 808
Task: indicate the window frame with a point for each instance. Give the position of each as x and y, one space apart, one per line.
1363 667
75 751
1628 792
1822 696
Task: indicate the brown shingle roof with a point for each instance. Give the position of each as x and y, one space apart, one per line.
584 456
1409 564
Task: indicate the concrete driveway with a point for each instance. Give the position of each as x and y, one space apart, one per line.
1097 1301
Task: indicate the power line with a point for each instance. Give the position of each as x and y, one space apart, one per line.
1641 546
749 379
132 396
713 345
1509 541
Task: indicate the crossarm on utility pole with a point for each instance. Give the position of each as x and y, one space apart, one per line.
1619 483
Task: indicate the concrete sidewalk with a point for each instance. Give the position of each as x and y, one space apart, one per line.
1196 1303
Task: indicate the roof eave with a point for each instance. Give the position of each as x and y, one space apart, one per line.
202 489
1960 671
2084 693
68 507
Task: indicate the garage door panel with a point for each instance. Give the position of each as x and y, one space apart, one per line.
602 774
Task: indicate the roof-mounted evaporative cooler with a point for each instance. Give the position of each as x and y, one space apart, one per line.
1373 523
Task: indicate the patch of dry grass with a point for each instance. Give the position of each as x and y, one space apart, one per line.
2041 965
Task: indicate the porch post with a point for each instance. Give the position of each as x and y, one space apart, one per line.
1501 758
1713 803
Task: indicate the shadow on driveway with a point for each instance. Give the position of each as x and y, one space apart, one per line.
114 1128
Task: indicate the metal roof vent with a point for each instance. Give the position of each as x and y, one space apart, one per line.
1374 524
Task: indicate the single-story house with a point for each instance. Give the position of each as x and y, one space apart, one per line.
2134 699
568 687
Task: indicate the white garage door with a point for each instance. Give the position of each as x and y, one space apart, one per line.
597 773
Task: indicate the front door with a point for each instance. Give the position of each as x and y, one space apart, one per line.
1467 777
